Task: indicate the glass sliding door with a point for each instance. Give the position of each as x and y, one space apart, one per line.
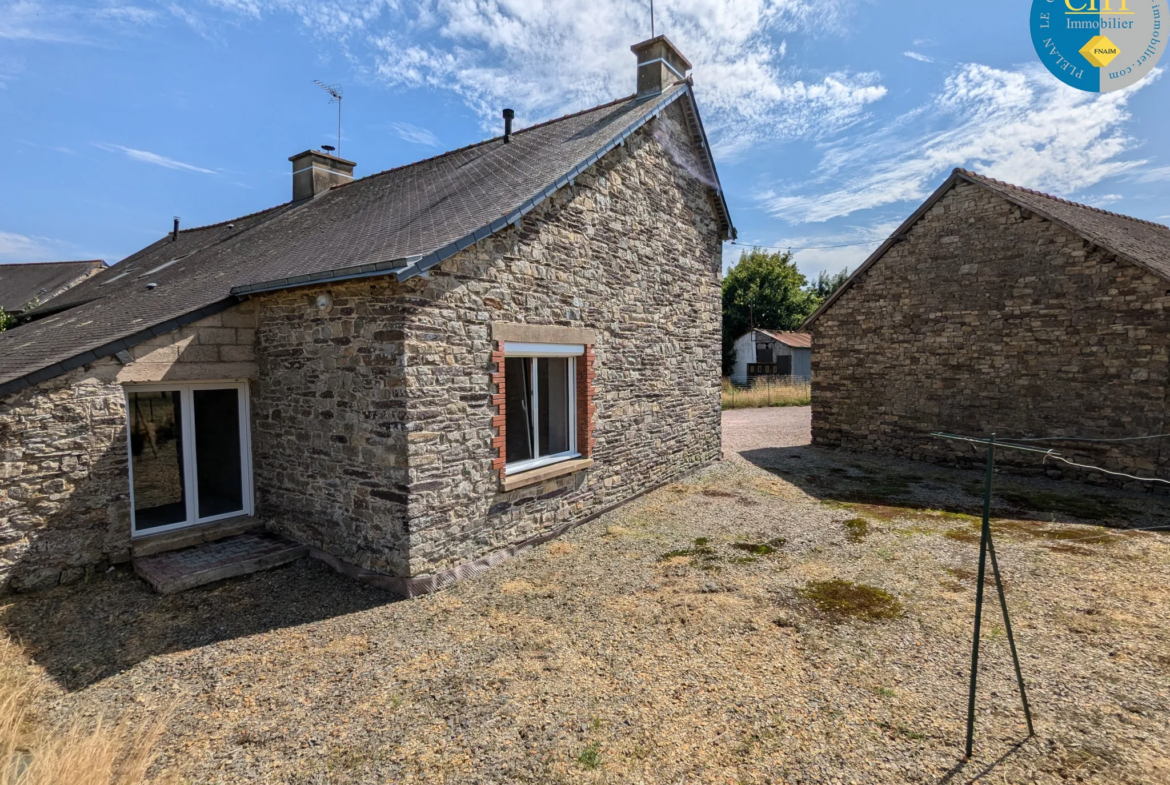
218 463
190 460
156 459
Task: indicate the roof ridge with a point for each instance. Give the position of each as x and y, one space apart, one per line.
64 261
1059 199
473 145
233 220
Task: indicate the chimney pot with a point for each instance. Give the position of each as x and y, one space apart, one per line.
175 231
315 172
508 117
660 66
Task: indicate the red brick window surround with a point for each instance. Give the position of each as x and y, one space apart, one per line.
537 442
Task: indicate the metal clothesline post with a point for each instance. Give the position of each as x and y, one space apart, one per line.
984 536
987 548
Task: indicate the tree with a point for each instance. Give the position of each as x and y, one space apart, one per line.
8 320
826 284
763 290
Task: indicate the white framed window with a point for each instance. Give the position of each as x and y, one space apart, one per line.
540 391
190 454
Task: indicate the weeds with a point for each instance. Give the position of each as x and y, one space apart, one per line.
761 548
856 529
781 392
590 757
845 598
701 554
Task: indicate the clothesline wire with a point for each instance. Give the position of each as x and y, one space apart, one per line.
1049 454
1086 439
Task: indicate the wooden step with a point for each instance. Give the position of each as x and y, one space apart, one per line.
208 562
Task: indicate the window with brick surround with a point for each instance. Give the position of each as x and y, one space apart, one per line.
538 394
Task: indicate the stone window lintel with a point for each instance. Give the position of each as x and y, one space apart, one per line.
542 333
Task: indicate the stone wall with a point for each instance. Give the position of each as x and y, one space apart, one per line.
328 432
64 481
372 420
989 319
631 251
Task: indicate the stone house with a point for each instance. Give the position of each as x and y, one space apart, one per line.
413 374
772 353
997 309
39 282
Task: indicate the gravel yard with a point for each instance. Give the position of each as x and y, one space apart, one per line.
693 636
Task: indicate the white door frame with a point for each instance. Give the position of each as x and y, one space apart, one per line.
191 480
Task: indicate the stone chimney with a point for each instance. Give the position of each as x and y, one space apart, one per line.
315 172
660 66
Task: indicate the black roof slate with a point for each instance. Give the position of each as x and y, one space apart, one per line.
21 283
401 222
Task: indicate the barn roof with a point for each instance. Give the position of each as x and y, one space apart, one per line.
400 222
793 340
20 284
1144 243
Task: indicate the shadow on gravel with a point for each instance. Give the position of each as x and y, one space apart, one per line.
885 487
87 632
959 767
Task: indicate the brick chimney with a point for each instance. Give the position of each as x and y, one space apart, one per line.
315 172
660 66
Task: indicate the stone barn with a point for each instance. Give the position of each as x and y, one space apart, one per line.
998 309
410 375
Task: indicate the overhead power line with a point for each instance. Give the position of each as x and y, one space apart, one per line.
806 248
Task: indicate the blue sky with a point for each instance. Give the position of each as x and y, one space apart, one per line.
830 120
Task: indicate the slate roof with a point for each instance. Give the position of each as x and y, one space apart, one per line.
1144 243
793 340
21 283
401 222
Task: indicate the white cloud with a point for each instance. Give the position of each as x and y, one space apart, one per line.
1020 126
544 58
152 158
28 20
32 20
55 148
919 57
829 252
22 248
1098 200
1160 174
415 134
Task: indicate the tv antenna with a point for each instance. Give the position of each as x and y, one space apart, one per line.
335 91
652 18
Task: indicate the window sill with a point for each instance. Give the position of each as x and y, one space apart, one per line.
534 476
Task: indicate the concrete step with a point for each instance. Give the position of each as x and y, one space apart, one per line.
208 562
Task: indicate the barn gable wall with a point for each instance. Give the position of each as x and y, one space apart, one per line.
991 319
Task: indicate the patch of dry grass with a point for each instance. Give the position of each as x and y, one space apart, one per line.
77 753
781 392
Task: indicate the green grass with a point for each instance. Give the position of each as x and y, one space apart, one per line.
590 757
761 548
856 529
845 598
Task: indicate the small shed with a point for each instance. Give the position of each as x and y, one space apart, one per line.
772 353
